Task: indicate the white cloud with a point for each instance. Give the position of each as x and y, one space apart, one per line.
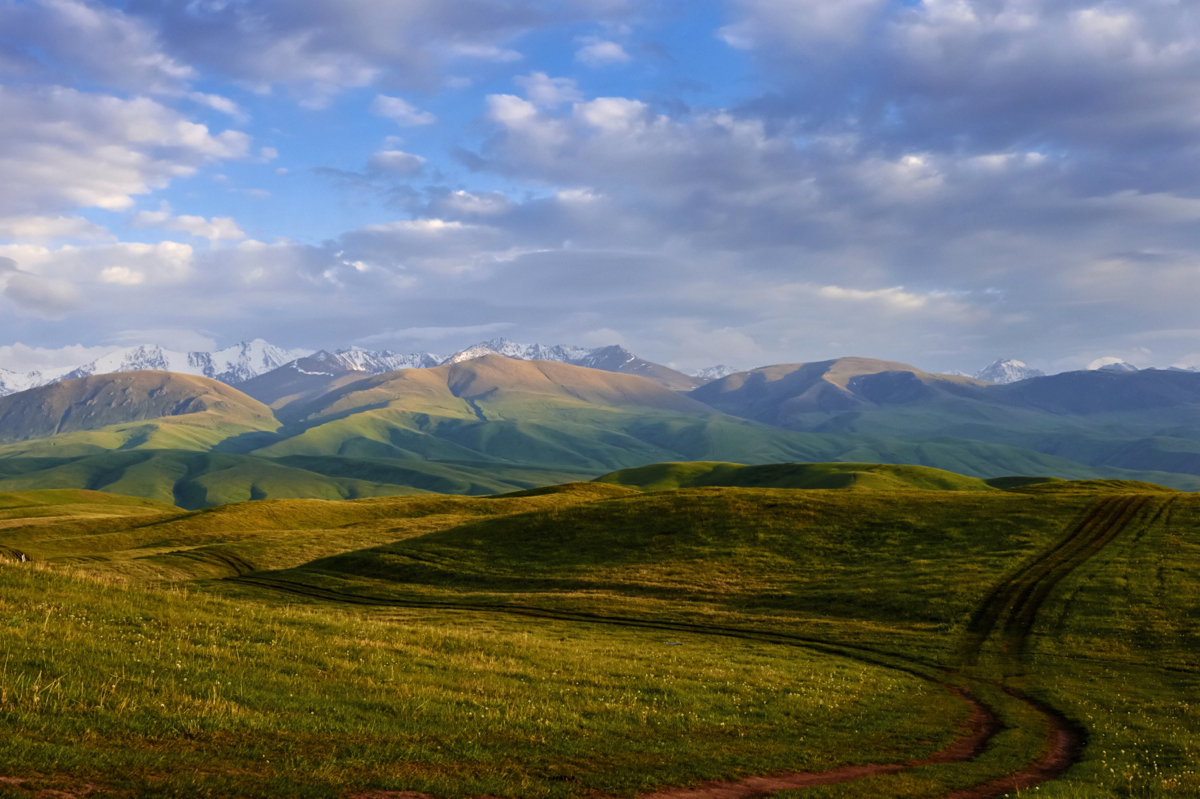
401 111
543 90
29 228
473 203
61 148
510 110
20 357
396 162
894 298
601 54
122 276
162 264
485 52
215 229
218 103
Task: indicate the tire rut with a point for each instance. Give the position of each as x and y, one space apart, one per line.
974 732
1010 607
239 566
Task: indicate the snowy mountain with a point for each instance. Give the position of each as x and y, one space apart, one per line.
710 373
231 365
356 359
1111 364
12 382
612 358
1007 371
523 352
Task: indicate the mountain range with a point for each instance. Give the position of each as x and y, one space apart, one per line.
323 426
257 358
251 359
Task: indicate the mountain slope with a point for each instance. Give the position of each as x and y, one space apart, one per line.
499 384
94 403
1147 420
510 411
127 411
310 377
780 395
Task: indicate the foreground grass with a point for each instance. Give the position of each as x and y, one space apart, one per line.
1117 649
114 674
174 692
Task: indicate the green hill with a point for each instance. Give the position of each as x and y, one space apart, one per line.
594 638
494 424
1141 421
116 401
874 476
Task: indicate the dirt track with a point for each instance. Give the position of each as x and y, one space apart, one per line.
1011 606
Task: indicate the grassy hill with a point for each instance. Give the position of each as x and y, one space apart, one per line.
873 476
1140 421
115 401
598 638
494 424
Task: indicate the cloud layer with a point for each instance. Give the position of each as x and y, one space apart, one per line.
942 182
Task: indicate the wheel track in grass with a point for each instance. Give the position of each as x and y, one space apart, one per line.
1011 607
974 732
1013 604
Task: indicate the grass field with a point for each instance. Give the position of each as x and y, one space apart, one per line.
597 638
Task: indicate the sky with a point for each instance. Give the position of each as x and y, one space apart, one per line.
744 182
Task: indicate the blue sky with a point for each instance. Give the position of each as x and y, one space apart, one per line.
740 181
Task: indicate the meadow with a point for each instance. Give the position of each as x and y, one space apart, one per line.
906 631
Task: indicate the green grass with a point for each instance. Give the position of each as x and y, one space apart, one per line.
596 637
873 476
167 692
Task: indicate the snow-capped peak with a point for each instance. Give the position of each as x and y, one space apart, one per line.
231 365
1111 364
1007 370
524 352
710 373
377 362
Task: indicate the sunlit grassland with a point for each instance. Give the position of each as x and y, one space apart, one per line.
128 665
873 563
174 692
897 571
1119 649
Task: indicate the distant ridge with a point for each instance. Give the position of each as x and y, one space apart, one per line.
777 395
100 401
231 365
322 372
249 360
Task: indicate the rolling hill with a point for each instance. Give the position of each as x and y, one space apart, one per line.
132 410
493 424
1147 420
598 639
872 476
